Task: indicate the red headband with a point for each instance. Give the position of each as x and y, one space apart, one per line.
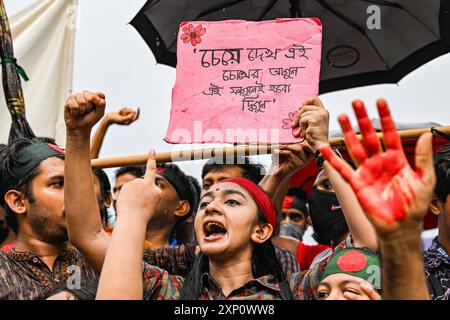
263 201
288 202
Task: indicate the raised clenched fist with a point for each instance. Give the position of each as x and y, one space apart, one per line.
83 110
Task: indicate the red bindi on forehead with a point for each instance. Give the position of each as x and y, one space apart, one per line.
217 189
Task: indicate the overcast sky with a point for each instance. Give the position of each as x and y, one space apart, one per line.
110 56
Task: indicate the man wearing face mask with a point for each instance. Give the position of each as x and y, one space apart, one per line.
294 214
327 217
327 220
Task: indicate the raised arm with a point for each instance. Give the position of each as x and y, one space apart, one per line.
394 197
121 276
124 116
362 231
285 162
310 122
313 122
81 113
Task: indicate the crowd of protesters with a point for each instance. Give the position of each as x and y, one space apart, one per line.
67 232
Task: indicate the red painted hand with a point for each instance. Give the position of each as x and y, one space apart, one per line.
388 189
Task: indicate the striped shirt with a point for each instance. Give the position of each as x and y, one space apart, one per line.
178 260
161 285
23 276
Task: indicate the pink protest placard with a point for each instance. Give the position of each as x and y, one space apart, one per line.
242 82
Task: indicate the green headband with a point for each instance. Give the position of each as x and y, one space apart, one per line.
355 262
29 157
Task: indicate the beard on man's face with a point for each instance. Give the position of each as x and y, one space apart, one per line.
46 227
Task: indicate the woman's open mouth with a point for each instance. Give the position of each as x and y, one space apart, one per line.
213 231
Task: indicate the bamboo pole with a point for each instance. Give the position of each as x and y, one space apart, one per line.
184 155
404 135
199 154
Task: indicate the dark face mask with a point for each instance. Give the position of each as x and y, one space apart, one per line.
290 229
327 218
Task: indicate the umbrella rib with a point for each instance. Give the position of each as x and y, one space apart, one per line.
326 5
295 8
214 9
399 6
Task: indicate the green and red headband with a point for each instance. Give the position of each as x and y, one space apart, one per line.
355 262
29 157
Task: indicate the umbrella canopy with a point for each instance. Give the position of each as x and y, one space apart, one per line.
358 50
305 177
12 86
158 20
355 51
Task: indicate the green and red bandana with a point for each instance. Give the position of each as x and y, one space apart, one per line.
356 262
31 156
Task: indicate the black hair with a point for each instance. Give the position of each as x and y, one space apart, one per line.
302 195
442 168
191 194
137 171
264 262
251 171
8 160
197 191
105 185
2 146
105 189
183 232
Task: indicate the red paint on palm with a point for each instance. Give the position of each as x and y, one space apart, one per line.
370 138
391 138
355 147
383 182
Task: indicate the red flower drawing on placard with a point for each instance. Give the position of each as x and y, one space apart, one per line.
287 123
192 34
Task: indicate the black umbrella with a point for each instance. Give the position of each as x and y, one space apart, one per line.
355 51
158 21
11 81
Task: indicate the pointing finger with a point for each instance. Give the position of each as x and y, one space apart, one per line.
150 172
